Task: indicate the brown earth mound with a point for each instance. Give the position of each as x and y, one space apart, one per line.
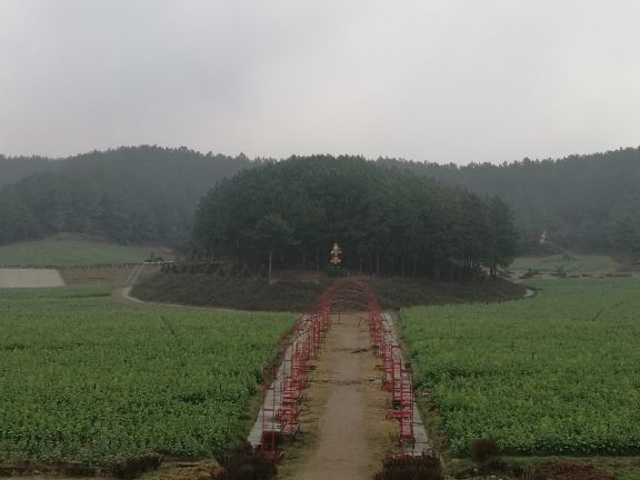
151 464
564 470
296 295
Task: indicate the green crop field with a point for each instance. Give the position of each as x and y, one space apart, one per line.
574 264
553 374
69 253
83 378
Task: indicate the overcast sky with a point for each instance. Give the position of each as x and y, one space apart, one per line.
437 80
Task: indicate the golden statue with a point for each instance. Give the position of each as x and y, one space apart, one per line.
335 255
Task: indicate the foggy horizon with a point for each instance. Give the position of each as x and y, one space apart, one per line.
438 81
310 154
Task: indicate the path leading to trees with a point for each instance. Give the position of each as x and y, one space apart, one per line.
344 432
344 409
29 278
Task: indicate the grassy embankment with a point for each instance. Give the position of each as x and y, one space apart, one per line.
574 264
69 253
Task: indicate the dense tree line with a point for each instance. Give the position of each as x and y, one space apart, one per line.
589 202
128 195
14 169
386 220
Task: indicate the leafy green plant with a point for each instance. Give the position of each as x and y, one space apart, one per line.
553 374
86 379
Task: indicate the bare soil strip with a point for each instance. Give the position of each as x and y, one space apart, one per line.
30 278
345 409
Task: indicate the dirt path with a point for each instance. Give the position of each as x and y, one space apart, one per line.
29 278
345 409
123 295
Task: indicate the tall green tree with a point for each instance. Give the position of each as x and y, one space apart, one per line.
128 195
575 199
502 236
272 233
387 221
626 237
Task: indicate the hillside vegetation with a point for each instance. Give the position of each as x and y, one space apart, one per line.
128 195
14 169
584 203
387 221
588 203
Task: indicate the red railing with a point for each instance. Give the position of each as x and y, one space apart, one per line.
283 384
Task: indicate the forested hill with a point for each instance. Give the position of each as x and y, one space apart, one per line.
128 195
387 221
14 169
136 194
589 203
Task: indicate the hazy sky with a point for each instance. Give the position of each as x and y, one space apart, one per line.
437 80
